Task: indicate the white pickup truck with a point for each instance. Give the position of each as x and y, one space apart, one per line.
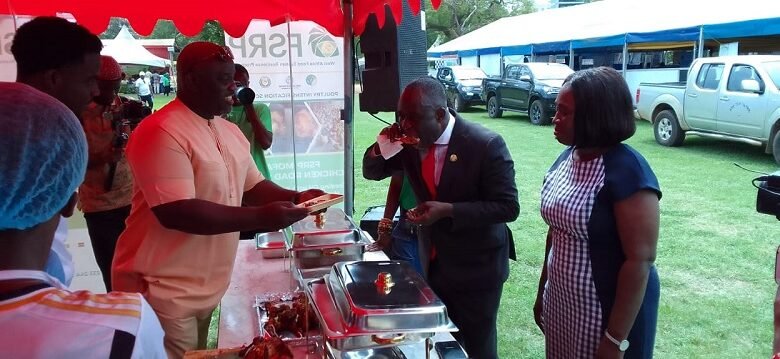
729 97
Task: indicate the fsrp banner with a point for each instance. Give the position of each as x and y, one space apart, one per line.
299 74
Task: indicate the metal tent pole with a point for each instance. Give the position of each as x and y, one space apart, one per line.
700 52
571 55
347 114
625 56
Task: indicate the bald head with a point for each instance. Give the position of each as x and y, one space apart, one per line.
422 110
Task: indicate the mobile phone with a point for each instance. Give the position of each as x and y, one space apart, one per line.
449 350
777 266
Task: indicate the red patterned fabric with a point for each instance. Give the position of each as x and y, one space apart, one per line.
190 15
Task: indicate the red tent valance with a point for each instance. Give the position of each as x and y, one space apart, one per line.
190 15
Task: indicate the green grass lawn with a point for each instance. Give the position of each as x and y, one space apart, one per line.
715 253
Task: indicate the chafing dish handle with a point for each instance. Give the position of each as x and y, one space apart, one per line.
331 252
386 341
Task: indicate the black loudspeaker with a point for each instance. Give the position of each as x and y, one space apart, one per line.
395 55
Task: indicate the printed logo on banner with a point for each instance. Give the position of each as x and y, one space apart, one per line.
311 80
322 44
265 81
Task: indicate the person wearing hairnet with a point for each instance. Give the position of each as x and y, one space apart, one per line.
43 158
65 69
192 170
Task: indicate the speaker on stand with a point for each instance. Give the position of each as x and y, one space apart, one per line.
395 55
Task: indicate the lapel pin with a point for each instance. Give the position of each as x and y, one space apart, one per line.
453 157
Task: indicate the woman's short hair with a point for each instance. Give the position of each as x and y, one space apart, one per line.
603 107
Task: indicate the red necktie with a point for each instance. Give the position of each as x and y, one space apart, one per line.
429 170
429 176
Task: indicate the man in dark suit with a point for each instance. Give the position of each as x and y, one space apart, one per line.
464 179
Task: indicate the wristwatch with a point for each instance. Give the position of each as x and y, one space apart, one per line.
622 344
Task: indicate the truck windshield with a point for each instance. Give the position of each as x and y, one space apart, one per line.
468 73
550 72
773 68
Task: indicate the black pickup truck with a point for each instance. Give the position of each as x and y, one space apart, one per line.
463 85
529 87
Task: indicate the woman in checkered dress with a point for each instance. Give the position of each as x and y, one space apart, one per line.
599 287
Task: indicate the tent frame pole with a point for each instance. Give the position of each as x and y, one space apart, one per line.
571 55
347 114
625 56
700 45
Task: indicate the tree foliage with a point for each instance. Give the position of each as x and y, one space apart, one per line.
455 18
165 29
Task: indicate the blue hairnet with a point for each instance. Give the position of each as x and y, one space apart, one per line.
43 156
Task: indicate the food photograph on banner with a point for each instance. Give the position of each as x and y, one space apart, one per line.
296 69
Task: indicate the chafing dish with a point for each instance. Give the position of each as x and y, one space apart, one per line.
338 239
377 353
271 244
334 221
364 305
386 295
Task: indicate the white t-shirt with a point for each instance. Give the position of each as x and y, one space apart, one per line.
143 87
46 321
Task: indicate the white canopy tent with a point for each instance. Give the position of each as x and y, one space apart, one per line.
608 18
128 51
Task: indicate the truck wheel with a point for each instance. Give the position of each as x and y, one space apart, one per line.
776 147
667 130
538 114
457 103
492 108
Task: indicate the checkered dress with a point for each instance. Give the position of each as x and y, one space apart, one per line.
572 313
586 253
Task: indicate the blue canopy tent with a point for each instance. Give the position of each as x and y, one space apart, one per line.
591 28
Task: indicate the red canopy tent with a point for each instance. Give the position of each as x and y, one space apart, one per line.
190 15
341 18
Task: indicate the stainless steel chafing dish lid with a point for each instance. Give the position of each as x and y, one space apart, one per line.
345 338
335 221
385 296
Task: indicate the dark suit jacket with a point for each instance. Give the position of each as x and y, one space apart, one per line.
478 178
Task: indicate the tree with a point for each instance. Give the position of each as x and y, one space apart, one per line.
165 29
455 18
114 26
